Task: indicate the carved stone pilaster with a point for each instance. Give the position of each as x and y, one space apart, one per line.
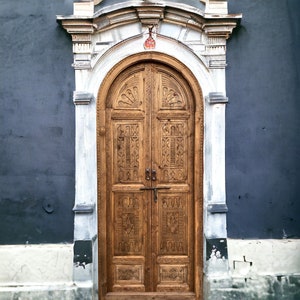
217 30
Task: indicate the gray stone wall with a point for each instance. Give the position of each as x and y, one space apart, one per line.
36 124
262 120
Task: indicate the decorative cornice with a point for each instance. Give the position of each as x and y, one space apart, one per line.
215 28
151 13
76 24
221 27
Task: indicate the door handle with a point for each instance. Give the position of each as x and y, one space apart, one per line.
147 174
153 173
154 189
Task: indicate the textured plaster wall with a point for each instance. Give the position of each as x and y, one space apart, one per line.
262 120
36 123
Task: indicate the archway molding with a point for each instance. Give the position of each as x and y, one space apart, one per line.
168 50
106 41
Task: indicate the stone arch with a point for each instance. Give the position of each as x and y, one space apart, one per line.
167 48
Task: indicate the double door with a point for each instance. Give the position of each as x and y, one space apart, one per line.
150 182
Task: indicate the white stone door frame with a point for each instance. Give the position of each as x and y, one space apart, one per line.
101 40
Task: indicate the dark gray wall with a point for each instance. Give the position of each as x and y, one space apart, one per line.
36 123
263 144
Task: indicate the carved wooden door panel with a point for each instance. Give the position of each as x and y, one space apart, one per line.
150 166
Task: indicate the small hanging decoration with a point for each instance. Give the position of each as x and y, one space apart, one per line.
150 42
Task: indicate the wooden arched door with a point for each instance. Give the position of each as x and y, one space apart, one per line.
149 184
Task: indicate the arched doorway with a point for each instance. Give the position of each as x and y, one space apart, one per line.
107 40
150 137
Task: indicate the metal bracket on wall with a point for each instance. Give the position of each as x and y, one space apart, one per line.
216 97
84 208
217 208
82 98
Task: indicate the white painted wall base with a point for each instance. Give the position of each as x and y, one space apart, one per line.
46 271
258 269
40 272
36 265
263 257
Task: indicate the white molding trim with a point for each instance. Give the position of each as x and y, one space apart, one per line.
197 39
